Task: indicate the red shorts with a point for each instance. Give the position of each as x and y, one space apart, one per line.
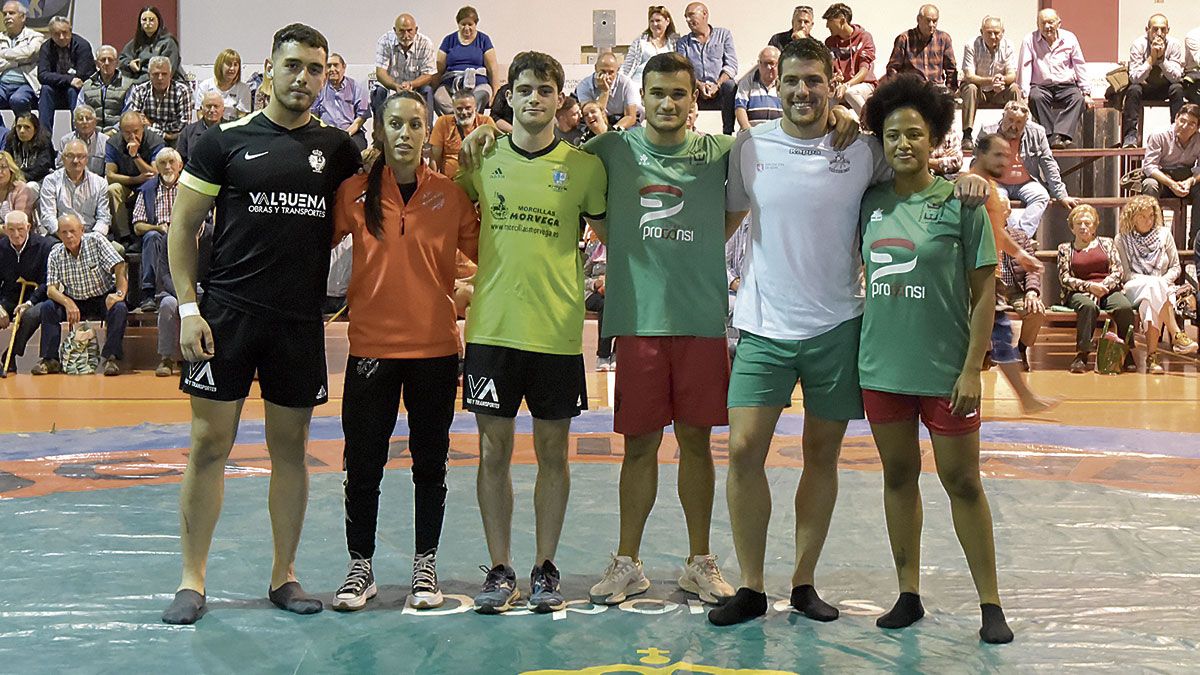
884 408
670 379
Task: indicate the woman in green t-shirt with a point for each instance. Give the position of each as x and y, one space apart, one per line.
929 263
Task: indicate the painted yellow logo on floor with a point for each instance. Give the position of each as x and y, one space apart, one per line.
657 662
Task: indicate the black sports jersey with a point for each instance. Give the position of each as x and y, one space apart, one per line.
274 190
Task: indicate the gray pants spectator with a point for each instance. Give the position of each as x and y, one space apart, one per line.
1058 107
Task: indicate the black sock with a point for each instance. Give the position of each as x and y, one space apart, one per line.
995 629
807 602
292 598
743 606
186 609
906 612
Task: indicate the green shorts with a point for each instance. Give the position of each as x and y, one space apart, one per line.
765 372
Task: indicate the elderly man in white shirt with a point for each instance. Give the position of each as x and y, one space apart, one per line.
1155 73
989 74
75 190
19 49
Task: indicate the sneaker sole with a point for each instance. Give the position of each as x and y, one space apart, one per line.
499 609
618 598
355 604
547 608
692 587
428 601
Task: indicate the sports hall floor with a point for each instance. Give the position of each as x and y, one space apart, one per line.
1095 506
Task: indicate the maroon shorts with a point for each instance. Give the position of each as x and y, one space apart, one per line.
884 408
661 380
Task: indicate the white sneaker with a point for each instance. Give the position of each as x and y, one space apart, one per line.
358 588
622 579
605 364
425 591
702 577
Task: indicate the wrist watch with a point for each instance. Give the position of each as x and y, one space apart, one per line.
119 294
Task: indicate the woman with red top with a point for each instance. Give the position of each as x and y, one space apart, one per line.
1089 270
407 222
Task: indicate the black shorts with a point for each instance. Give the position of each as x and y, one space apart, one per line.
495 379
289 357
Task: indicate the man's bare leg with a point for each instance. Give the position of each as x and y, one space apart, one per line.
214 429
287 440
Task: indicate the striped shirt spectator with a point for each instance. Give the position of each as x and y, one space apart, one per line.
405 64
757 97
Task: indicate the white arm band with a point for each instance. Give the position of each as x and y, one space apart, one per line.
188 309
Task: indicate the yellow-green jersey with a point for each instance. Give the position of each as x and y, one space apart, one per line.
529 286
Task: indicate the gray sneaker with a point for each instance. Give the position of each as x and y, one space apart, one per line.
499 592
544 596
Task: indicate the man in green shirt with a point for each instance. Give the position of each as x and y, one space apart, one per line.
524 334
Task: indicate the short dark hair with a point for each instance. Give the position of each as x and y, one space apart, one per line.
467 12
933 103
984 142
544 67
301 34
808 49
337 56
569 101
670 62
1190 109
839 9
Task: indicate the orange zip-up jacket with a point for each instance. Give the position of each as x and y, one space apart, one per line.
401 287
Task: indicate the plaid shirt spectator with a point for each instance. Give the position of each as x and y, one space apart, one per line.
932 59
89 275
979 60
164 202
1014 278
169 113
404 66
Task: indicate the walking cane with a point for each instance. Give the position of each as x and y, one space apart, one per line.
16 323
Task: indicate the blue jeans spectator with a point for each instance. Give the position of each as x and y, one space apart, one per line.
54 98
154 245
53 314
16 97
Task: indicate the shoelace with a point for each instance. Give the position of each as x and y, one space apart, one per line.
425 573
358 578
613 566
495 579
711 571
545 581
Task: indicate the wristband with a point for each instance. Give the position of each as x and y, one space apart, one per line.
188 309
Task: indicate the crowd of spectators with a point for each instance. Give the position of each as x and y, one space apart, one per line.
135 115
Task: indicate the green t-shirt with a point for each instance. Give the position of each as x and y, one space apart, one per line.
666 234
918 254
529 286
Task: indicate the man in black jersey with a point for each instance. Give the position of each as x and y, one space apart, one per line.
272 176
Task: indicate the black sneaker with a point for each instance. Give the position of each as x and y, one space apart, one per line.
544 596
47 367
499 592
357 589
148 306
1080 364
425 591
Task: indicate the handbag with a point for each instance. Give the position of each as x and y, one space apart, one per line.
80 352
1118 78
